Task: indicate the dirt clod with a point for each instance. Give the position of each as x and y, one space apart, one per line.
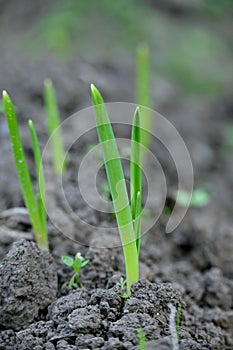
28 284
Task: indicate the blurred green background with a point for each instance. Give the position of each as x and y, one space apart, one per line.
191 41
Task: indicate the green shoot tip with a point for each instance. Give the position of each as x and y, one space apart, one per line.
4 94
137 116
96 95
48 82
94 90
143 48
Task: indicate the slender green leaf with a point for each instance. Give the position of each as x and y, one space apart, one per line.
53 123
41 197
135 162
42 215
117 187
136 177
137 221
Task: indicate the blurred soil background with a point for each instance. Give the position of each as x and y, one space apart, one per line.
75 43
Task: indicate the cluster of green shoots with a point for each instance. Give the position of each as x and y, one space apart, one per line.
35 202
127 211
127 215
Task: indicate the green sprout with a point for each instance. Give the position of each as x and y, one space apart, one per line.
53 126
127 220
141 339
123 284
77 264
34 203
143 92
136 178
173 326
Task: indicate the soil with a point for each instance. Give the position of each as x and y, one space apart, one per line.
191 267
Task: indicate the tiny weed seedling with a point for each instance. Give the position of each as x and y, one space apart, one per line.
123 284
53 123
34 203
127 216
178 316
173 326
77 264
141 339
